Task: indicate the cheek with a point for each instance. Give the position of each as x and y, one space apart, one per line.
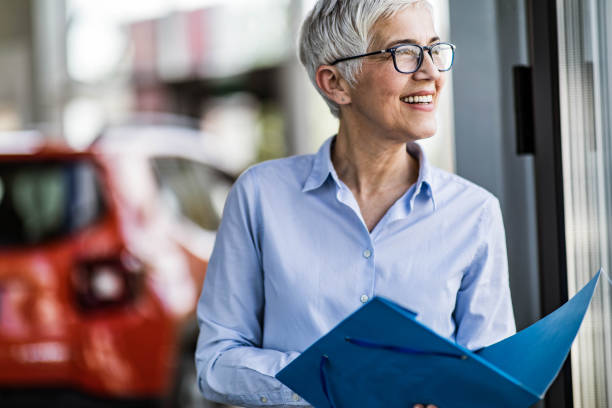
379 98
387 85
441 81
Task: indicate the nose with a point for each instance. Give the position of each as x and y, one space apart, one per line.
428 69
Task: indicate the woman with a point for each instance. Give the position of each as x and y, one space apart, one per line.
306 240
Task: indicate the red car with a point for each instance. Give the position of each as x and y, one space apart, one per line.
102 258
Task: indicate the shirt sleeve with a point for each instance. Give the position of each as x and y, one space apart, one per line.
483 312
231 365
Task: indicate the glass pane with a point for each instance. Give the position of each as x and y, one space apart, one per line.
193 190
407 57
40 201
586 137
442 56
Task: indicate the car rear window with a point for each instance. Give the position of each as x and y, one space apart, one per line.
46 200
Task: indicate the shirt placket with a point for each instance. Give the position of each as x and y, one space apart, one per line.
366 243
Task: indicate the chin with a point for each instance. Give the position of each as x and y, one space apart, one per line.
423 136
423 133
417 128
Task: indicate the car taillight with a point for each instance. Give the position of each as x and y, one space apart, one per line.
107 282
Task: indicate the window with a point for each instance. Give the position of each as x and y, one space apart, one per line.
585 87
44 200
192 189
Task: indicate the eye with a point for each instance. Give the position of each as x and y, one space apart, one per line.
408 51
441 48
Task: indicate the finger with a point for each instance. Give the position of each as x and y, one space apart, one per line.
418 406
431 406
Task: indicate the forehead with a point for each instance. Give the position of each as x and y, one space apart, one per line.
413 22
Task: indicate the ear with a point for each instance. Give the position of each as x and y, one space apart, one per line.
333 85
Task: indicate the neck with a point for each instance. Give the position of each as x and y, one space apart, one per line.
372 164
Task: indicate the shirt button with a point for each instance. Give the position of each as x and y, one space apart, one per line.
367 253
295 397
263 399
364 298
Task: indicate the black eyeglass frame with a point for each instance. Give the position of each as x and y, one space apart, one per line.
393 49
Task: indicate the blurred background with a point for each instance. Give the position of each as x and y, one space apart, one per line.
75 66
123 124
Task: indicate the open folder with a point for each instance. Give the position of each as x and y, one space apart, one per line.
381 356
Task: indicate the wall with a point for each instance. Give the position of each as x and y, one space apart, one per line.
491 37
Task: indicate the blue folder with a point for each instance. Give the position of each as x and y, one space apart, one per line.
381 356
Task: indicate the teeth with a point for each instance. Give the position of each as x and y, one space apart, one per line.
418 99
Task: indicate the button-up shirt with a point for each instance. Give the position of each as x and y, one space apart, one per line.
293 257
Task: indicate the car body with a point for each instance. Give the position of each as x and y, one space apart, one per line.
103 254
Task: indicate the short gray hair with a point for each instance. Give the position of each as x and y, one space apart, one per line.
340 28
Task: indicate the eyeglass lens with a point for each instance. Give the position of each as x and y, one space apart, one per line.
407 57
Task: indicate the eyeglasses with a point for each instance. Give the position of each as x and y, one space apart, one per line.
407 58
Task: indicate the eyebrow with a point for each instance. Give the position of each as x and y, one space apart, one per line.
410 41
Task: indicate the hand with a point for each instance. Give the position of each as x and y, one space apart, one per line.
423 406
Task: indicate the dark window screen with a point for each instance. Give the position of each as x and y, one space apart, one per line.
41 201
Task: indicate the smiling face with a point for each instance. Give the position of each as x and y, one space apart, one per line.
384 101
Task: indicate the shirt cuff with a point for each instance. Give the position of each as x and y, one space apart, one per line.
282 398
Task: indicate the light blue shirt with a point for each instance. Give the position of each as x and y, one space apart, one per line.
293 257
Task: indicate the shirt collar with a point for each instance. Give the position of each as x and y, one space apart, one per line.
322 168
425 181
